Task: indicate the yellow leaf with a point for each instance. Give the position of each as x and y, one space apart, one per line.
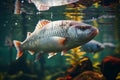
96 56
96 5
95 23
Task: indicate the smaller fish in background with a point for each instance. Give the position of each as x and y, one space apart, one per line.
42 5
17 9
92 46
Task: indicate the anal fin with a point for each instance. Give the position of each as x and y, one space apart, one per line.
38 56
59 40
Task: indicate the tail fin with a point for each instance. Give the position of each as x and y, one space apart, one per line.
17 46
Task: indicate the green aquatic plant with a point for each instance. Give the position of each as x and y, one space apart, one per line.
118 76
90 75
75 56
5 75
96 62
73 12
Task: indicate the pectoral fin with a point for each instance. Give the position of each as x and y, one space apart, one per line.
59 40
63 52
51 55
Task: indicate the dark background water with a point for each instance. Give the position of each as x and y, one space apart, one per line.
15 27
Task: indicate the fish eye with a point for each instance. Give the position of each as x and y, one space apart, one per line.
83 28
98 46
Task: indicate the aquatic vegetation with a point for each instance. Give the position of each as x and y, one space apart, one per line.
77 64
96 62
20 74
96 5
90 75
75 56
110 67
95 23
73 13
118 76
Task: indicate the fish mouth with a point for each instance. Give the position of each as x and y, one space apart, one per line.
94 32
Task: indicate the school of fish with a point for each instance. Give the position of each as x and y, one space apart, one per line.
56 36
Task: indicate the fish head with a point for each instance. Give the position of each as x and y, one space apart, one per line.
100 46
96 46
82 32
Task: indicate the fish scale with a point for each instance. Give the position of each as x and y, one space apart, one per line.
54 32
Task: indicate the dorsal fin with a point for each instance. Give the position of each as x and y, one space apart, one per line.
42 23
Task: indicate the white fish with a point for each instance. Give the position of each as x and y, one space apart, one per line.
92 46
42 5
56 36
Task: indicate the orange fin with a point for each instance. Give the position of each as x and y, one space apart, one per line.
17 7
31 52
60 40
17 46
42 23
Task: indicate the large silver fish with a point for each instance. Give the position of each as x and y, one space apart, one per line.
56 36
42 5
92 46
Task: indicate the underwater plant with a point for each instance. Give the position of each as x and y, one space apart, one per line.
90 75
78 63
110 67
73 12
75 56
